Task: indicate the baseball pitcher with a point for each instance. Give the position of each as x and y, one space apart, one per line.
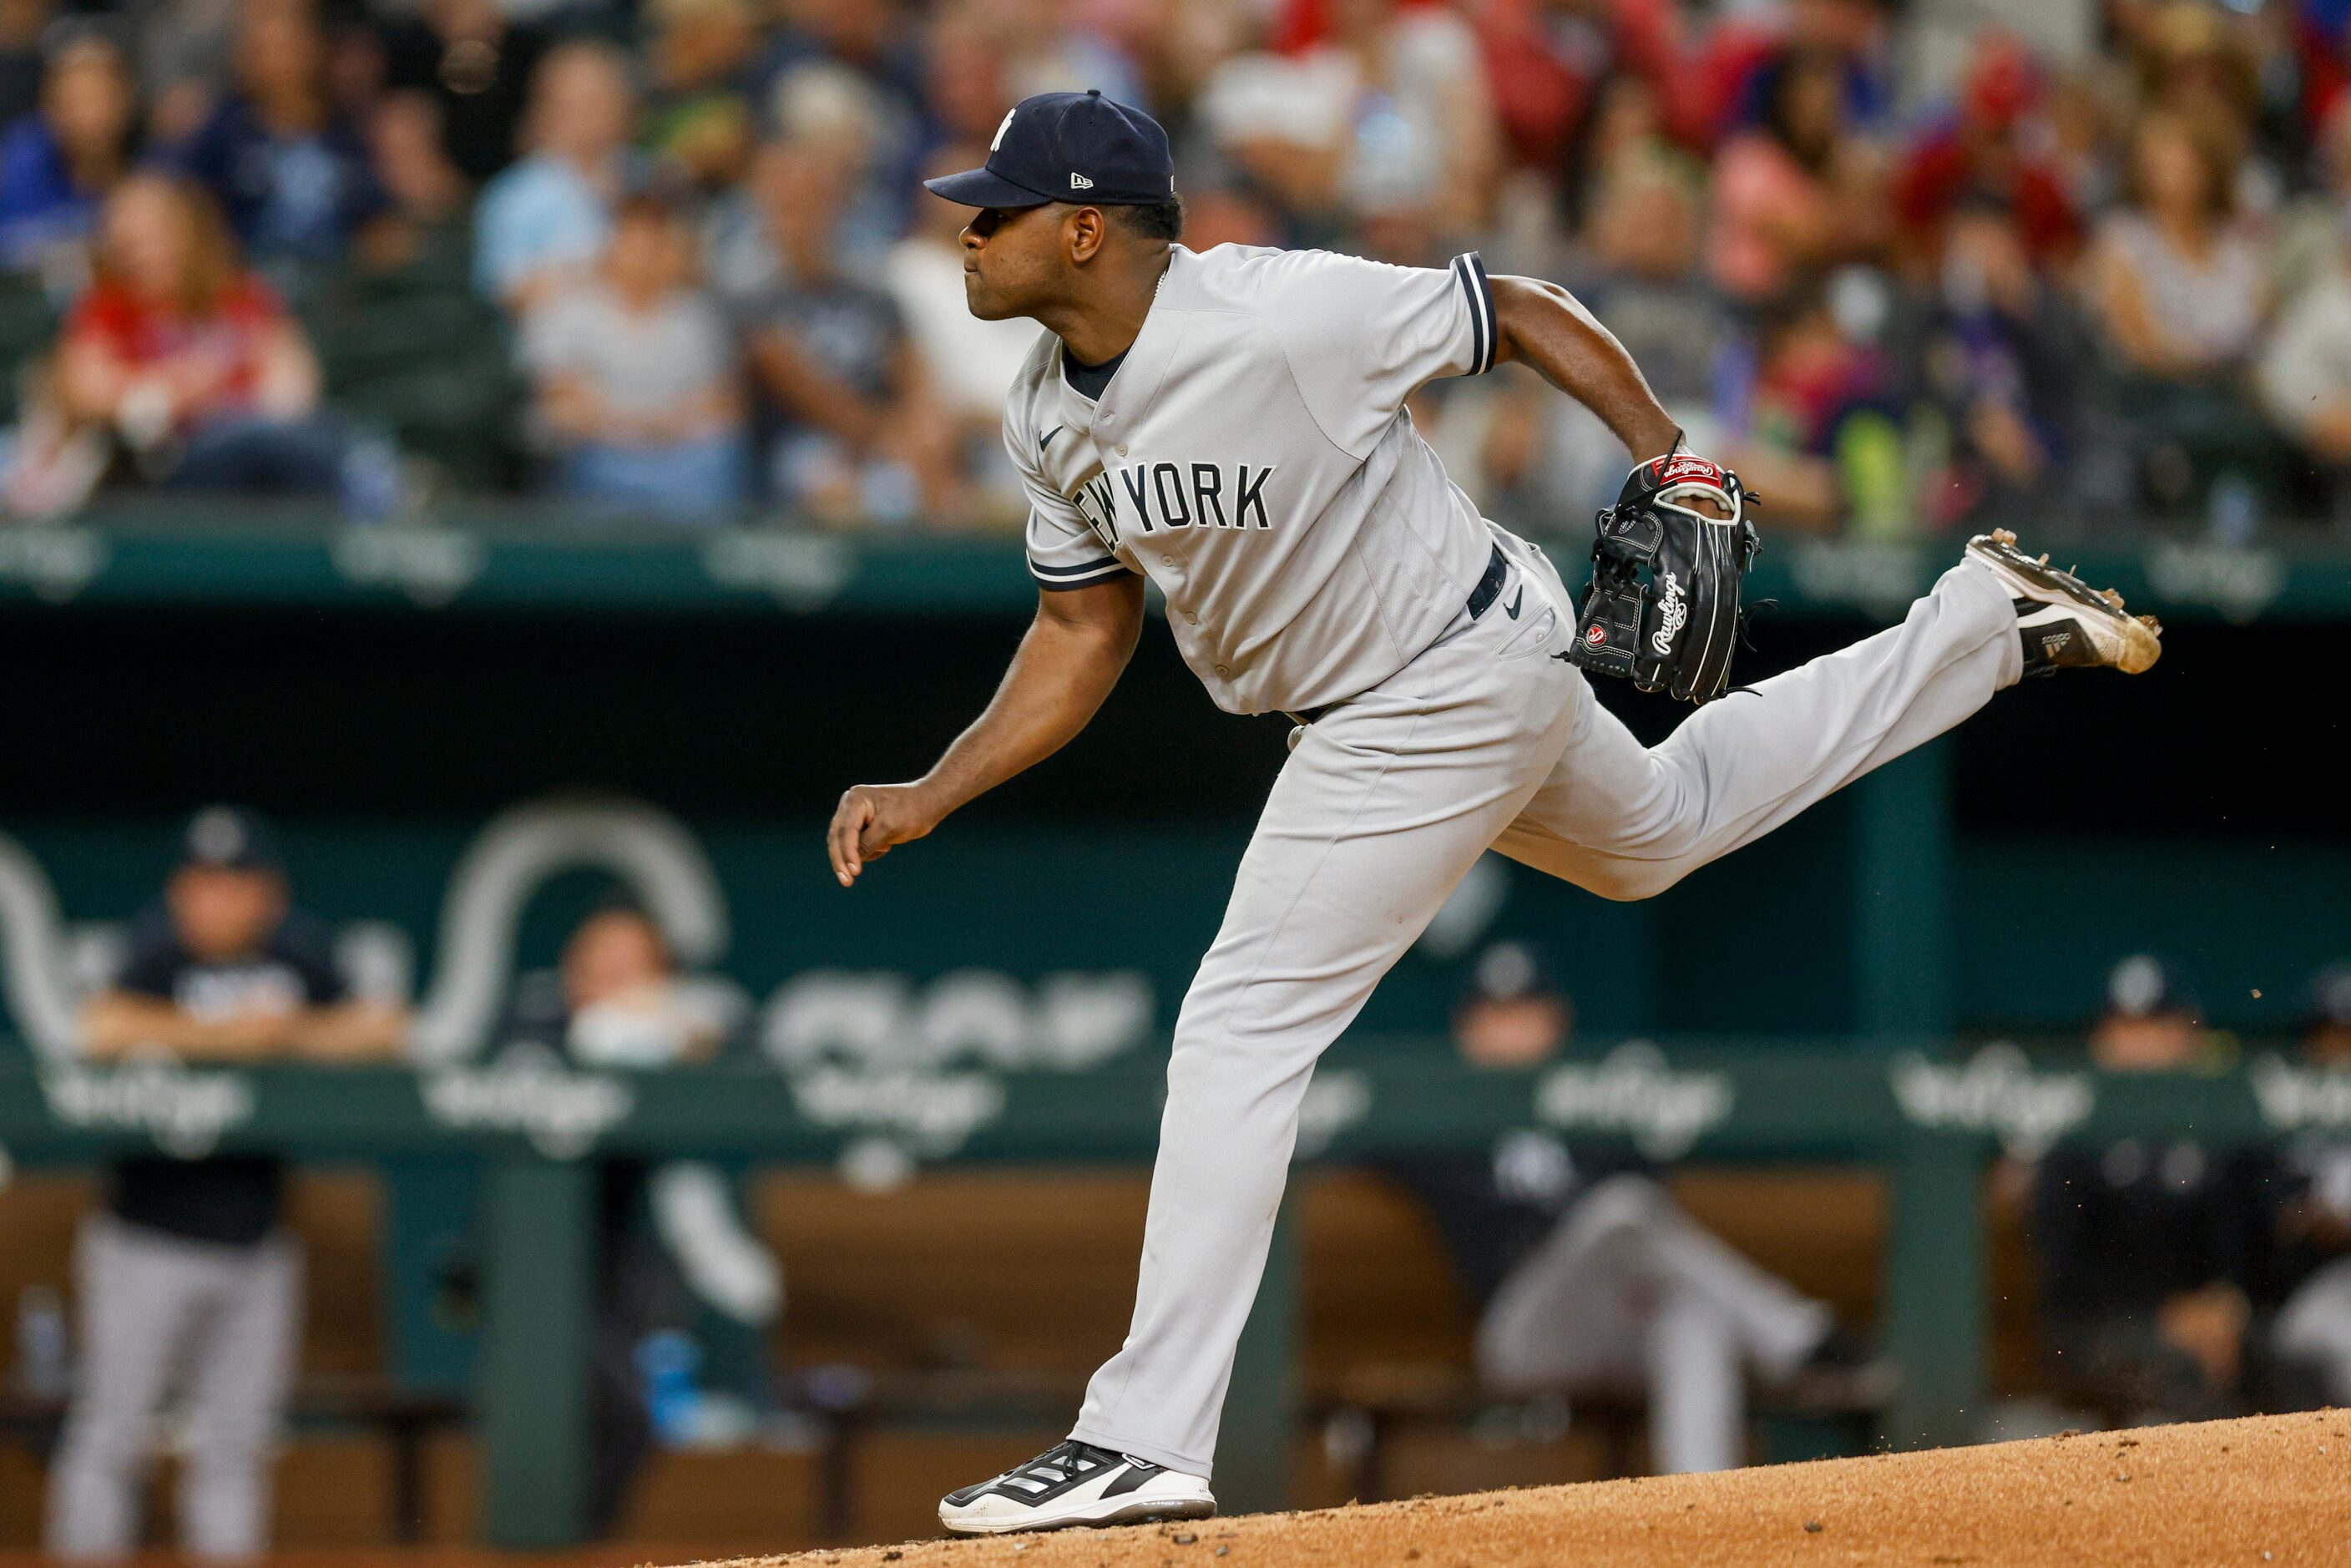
1231 425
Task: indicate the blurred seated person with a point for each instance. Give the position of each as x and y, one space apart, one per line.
58 165
834 115
1534 462
636 377
542 224
2001 357
698 122
1642 238
186 1281
1549 65
2309 1241
1364 101
851 118
1796 194
192 363
2306 242
1587 1276
288 167
2303 376
2144 1247
1984 156
426 233
2176 282
859 435
616 1001
1807 381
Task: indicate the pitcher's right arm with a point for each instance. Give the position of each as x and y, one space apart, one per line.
1070 657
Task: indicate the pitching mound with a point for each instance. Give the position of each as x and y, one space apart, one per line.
2273 1489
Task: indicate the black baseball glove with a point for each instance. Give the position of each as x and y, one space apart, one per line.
1663 607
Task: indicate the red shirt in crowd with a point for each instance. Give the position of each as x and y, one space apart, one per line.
234 337
1944 168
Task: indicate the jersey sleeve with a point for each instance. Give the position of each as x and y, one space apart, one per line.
305 946
1064 551
1362 336
151 959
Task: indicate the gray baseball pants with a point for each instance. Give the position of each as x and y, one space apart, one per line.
159 1315
2315 1325
1485 740
1629 1292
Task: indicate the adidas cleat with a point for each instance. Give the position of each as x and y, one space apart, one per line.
1075 1483
2065 622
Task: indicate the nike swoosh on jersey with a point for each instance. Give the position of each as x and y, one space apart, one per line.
1047 439
1512 608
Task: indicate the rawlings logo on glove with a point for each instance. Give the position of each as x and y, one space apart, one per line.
1676 467
1663 607
1672 610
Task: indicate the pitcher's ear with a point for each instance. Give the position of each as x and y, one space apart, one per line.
1083 231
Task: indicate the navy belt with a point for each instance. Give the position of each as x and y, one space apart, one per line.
1481 599
1489 587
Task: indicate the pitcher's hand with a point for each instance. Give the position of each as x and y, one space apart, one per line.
871 819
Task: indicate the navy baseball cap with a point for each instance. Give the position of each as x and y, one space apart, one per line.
2329 1005
1075 147
1512 972
2143 987
230 838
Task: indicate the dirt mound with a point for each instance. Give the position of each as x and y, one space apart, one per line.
2272 1489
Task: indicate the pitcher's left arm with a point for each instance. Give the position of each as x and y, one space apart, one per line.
1542 326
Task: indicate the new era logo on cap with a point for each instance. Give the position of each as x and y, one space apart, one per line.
1057 143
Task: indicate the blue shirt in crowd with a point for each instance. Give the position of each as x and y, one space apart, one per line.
292 197
40 205
542 211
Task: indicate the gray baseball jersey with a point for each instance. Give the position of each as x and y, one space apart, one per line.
1253 458
1251 455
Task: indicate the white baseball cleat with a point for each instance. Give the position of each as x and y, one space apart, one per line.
2065 622
1075 1483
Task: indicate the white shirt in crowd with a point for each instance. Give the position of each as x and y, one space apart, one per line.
640 363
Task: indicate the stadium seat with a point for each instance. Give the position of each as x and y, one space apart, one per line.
27 323
412 351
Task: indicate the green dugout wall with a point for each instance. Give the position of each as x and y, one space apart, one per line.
385 692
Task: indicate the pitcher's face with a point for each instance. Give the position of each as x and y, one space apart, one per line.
1013 260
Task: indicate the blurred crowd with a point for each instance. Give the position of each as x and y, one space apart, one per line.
2082 260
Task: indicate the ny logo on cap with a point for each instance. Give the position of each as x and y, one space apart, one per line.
1002 128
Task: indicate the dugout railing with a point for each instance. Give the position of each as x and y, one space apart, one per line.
539 556
1931 1121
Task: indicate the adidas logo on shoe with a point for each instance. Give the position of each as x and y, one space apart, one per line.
2063 621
